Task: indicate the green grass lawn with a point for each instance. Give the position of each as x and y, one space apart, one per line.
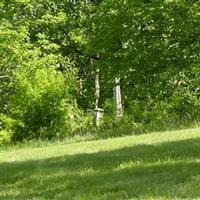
154 166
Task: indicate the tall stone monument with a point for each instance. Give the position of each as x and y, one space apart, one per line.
117 100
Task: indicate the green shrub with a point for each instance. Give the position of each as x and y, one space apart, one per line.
5 137
81 122
176 112
41 104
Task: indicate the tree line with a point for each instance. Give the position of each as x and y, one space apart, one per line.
51 51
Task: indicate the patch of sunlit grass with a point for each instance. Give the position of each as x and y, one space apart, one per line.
154 166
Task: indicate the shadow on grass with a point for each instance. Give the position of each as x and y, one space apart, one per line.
167 170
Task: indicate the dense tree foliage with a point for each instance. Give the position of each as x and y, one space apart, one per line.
47 46
154 47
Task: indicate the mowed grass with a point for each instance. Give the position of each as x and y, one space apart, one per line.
154 166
